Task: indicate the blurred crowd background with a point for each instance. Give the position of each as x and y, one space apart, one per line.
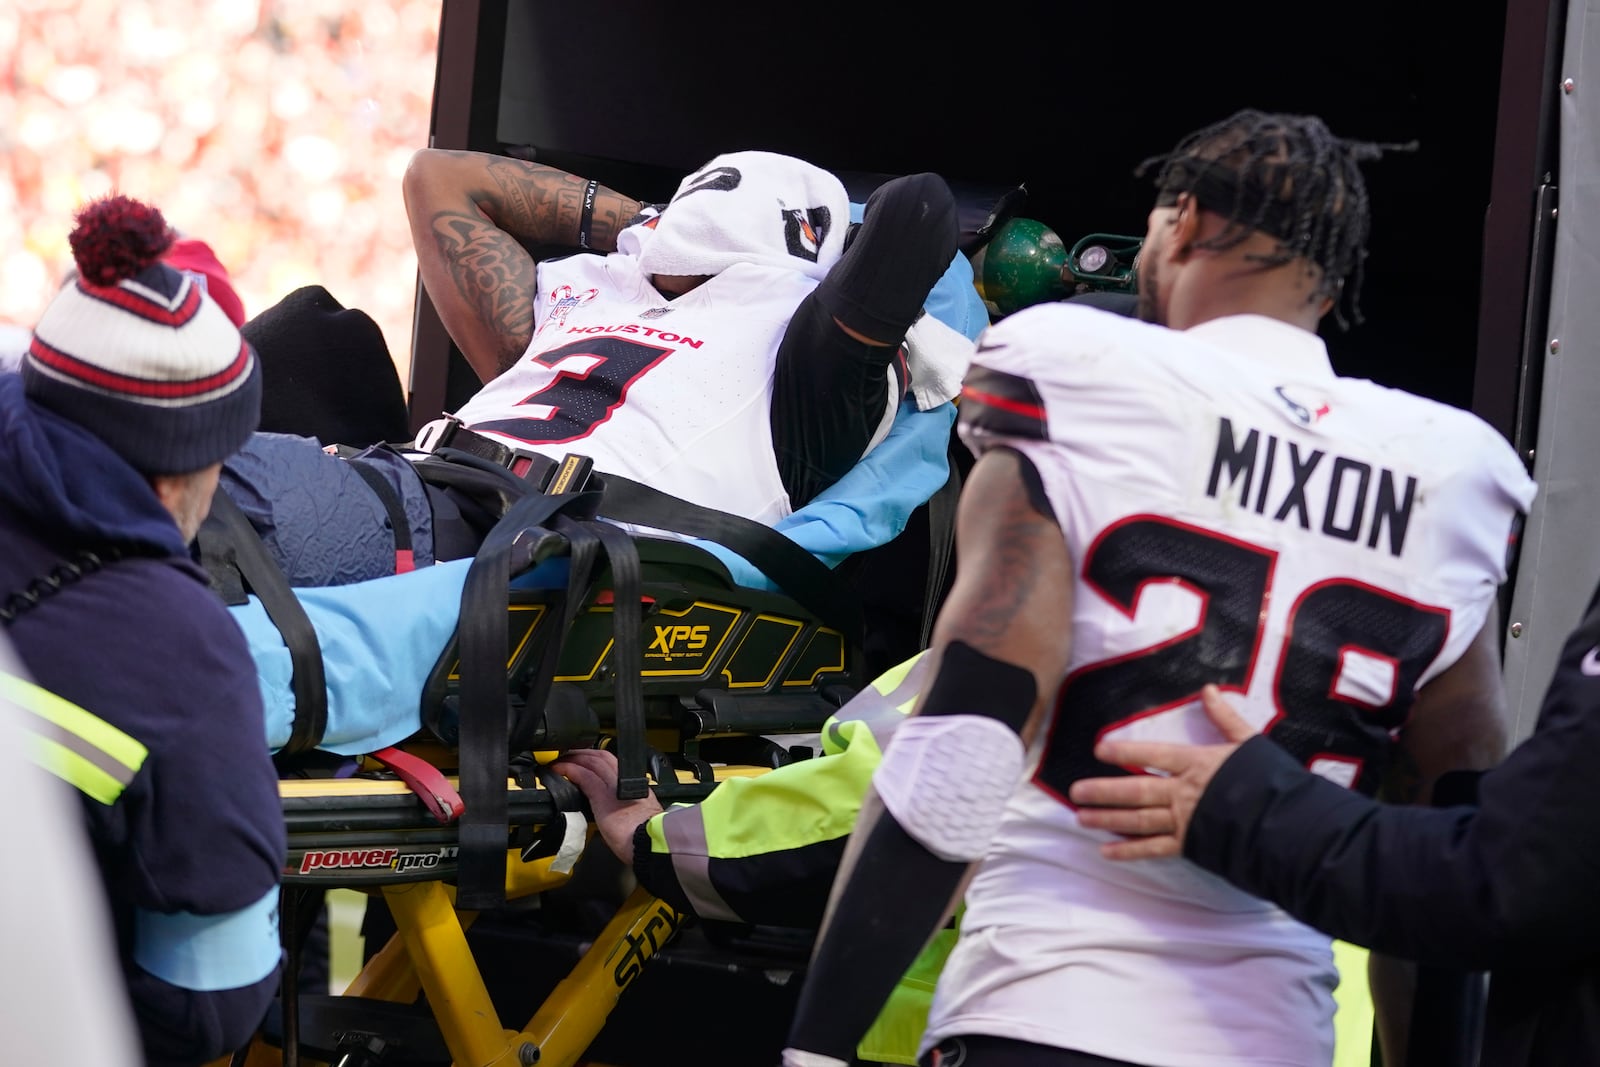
275 130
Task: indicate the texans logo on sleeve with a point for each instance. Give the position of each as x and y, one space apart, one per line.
805 230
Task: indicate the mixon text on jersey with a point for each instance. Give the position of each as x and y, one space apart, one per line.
1280 479
648 331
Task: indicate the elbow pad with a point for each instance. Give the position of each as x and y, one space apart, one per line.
951 769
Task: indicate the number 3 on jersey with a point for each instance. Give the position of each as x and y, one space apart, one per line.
591 382
1332 625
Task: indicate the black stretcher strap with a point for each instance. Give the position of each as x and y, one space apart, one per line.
530 522
476 477
220 560
941 540
583 549
395 508
627 659
233 546
802 576
564 797
516 542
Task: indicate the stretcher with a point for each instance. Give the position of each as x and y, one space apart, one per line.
720 671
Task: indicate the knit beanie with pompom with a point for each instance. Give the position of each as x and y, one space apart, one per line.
137 353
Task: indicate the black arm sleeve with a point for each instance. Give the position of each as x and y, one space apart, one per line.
882 919
1510 882
829 394
831 391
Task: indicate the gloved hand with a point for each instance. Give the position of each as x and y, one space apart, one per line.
908 235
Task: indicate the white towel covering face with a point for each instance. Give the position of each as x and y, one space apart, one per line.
746 207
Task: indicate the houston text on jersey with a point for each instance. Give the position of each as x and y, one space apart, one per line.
1335 495
648 331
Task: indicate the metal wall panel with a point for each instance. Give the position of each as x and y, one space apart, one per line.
1560 556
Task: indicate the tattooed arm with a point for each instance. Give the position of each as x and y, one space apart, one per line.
473 217
1001 644
1012 597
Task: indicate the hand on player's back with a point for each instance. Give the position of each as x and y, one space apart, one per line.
1153 810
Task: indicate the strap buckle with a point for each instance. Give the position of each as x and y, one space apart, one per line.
530 466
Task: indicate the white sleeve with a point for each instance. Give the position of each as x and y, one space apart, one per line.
1486 498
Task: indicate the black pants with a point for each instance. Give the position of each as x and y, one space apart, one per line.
829 393
981 1050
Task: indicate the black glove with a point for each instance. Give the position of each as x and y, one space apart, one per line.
908 235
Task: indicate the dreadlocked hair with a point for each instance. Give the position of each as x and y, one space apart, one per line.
1287 176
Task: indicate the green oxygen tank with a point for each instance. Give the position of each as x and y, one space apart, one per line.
1024 263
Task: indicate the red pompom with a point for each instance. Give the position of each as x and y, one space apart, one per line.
116 238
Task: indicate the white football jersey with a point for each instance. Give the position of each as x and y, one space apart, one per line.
1318 546
684 385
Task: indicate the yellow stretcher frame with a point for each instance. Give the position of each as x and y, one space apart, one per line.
429 953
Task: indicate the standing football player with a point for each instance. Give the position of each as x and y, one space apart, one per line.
1197 498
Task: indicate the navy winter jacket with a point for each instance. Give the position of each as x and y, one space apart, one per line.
145 646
